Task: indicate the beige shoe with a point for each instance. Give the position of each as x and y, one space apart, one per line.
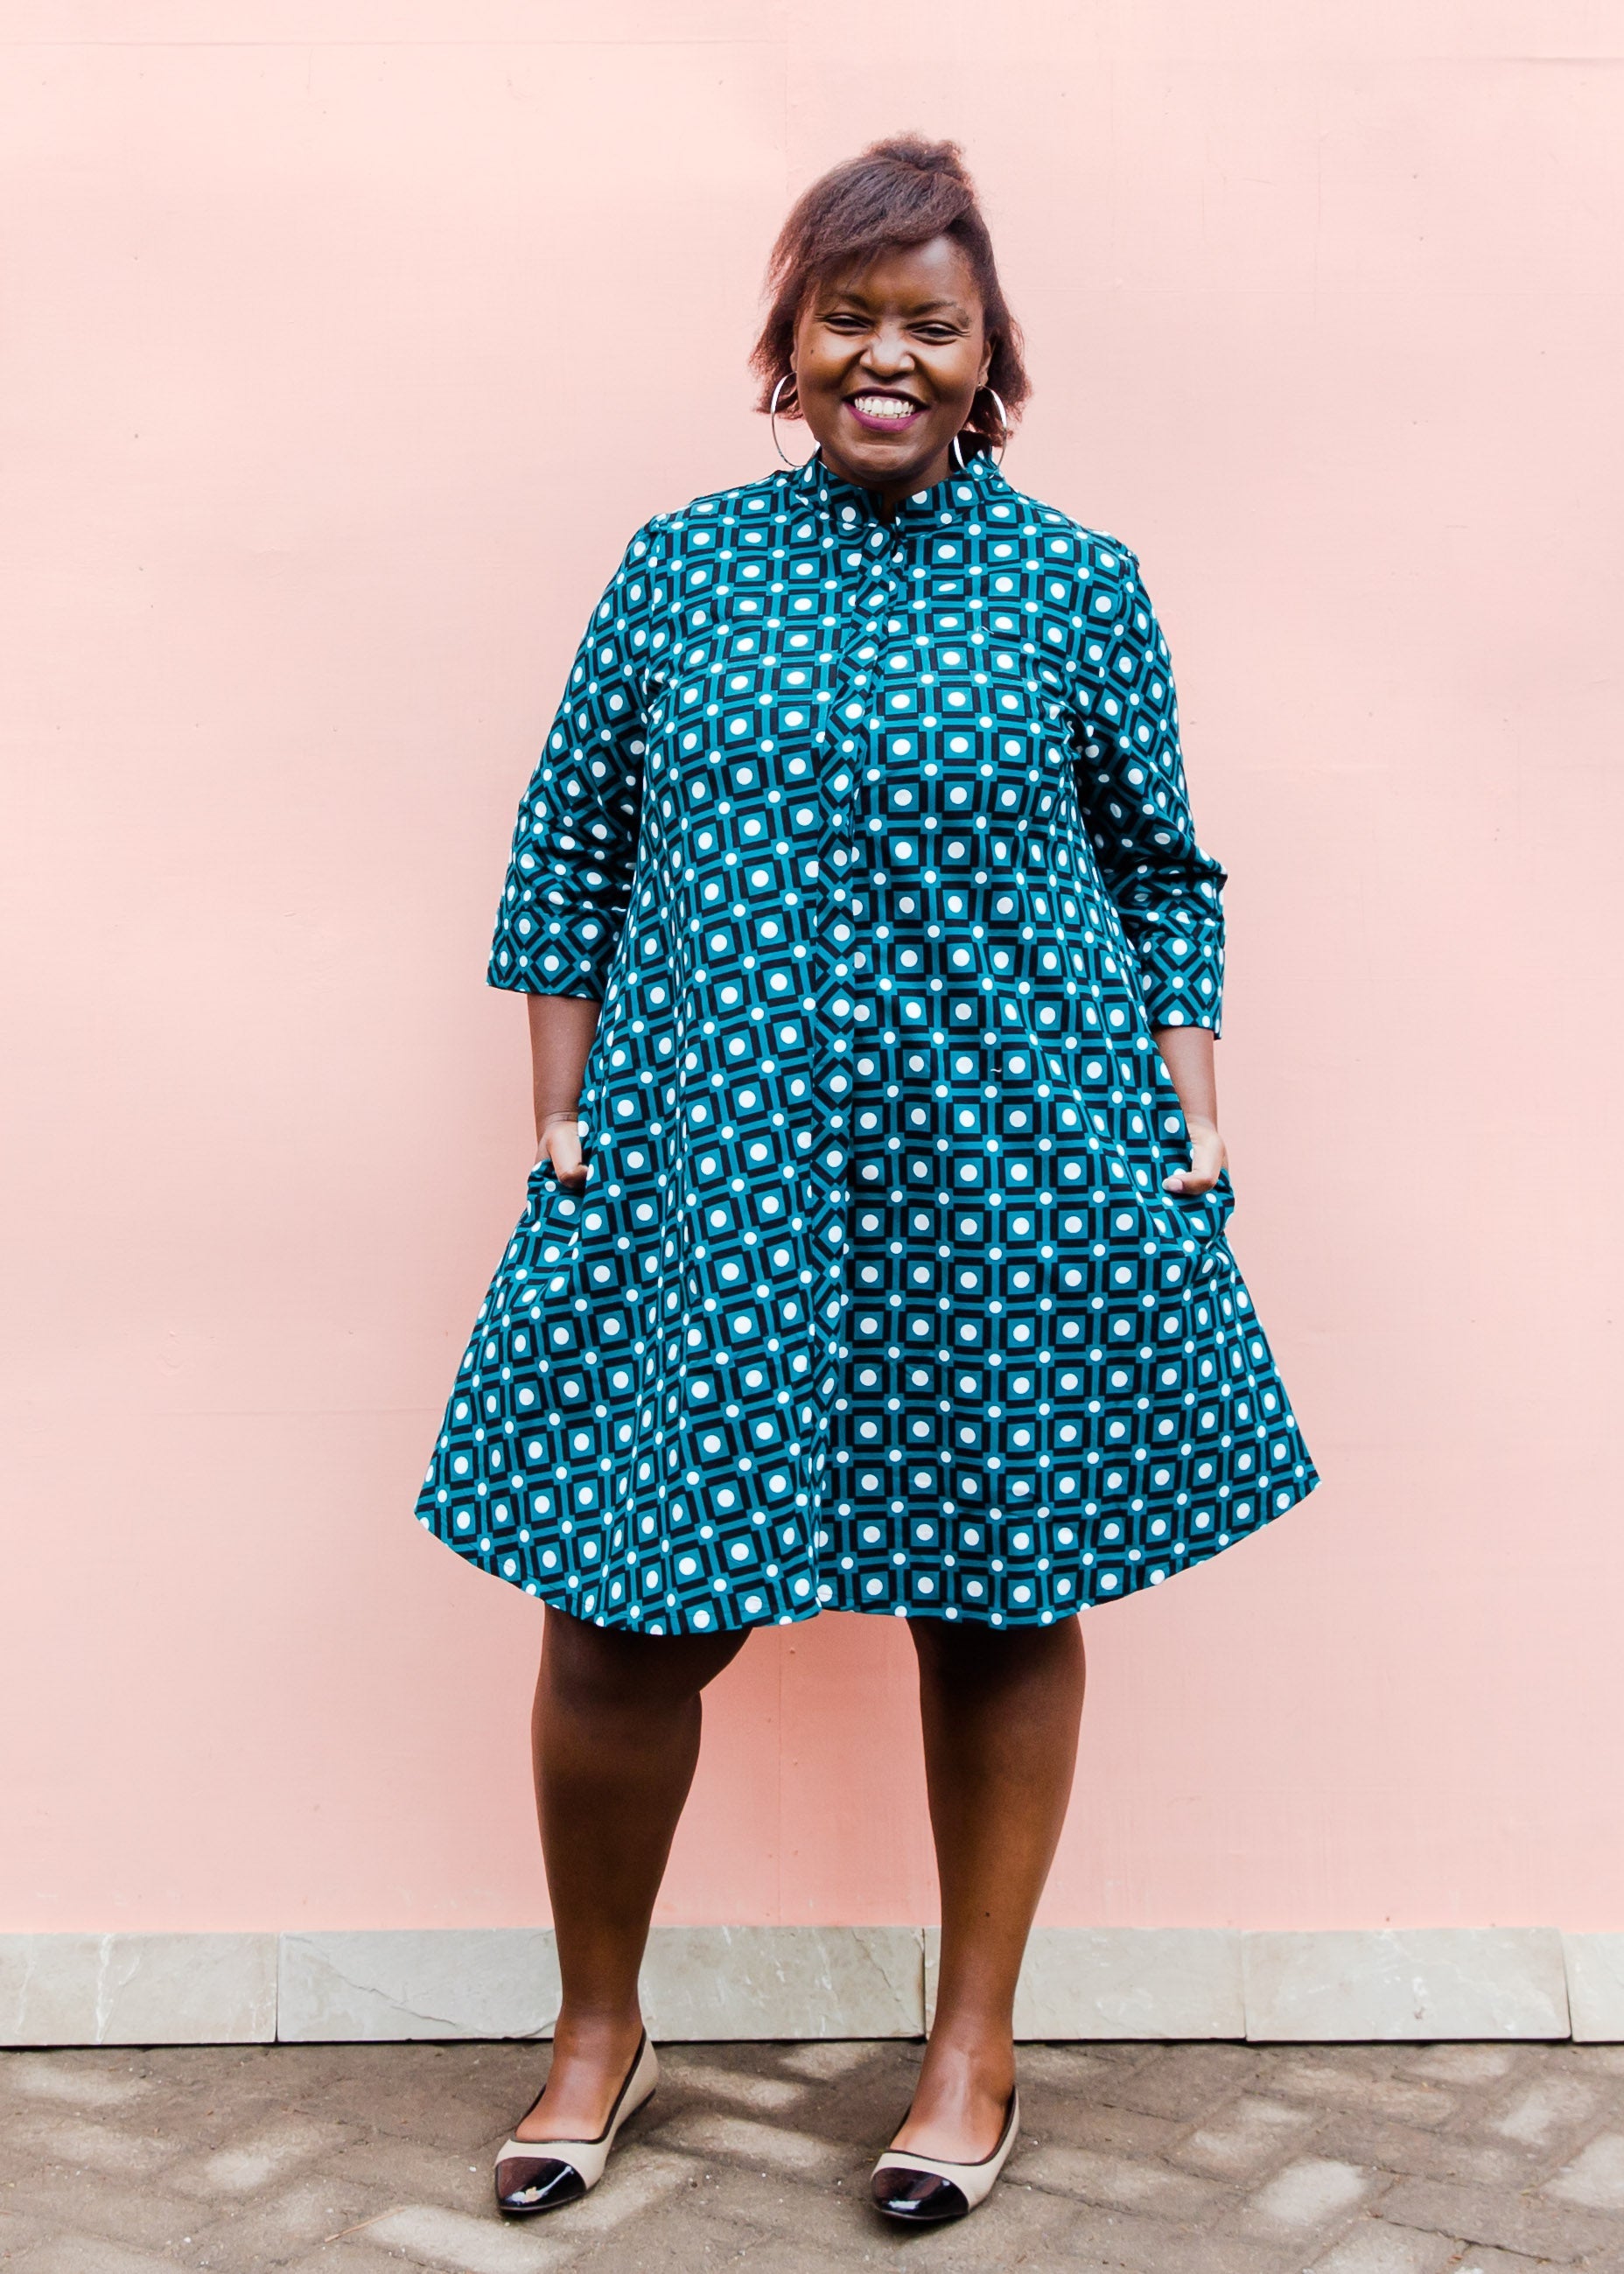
536 2175
908 2185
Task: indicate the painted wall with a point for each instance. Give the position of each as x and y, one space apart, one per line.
347 342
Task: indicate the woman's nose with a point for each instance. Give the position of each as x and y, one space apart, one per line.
888 353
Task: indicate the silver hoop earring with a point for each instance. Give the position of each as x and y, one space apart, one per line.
1004 421
772 420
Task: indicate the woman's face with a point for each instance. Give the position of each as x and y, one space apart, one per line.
888 360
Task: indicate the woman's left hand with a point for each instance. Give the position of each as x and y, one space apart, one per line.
1209 1157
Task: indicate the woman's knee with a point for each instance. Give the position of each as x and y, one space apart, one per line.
606 1670
963 1650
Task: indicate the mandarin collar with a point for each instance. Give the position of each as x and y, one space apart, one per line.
962 492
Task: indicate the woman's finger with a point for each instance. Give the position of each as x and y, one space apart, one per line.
560 1144
1206 1160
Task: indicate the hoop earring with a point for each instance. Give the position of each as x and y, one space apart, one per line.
772 421
1004 421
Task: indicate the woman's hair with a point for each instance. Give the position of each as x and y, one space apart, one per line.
904 191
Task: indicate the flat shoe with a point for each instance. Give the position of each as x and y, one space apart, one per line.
922 2188
537 2175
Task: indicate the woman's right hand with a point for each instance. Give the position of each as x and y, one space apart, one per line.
560 1142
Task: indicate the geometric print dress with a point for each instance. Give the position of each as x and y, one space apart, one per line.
871 839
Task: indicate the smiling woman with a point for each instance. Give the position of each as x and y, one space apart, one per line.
875 1256
888 329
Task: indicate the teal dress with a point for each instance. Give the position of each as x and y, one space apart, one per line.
871 837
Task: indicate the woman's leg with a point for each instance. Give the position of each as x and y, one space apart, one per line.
1000 1708
616 1734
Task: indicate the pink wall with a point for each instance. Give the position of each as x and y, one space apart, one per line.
348 340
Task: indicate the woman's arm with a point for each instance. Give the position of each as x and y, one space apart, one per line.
561 1031
1130 774
1187 1054
575 846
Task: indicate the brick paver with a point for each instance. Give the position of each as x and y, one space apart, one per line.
1134 2159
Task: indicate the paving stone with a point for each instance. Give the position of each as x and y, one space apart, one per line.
81 2078
1308 2196
1344 2084
83 2254
836 2220
461 2096
1478 2259
1185 2082
1134 2159
704 2080
1086 2123
1079 2071
82 2145
1147 2245
838 2057
436 2236
770 2147
642 2176
17 2235
1549 2108
1250 2137
1119 2180
1511 2221
405 2169
1016 2228
861 2115
243 2166
350 2257
312 2209
1374 2247
835 2217
699 2245
1463 2064
1604 2060
1595 2178
139 2218
1416 2154
769 2255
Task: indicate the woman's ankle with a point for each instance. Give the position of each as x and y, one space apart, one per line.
972 2054
591 2056
597 2032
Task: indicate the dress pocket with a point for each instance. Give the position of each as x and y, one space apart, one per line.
1207 1215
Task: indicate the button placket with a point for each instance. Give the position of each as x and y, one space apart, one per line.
866 569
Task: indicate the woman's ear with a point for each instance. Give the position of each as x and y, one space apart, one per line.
985 370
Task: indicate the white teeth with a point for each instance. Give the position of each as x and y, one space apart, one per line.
884 406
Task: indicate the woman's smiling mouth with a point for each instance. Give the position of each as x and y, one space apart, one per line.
885 414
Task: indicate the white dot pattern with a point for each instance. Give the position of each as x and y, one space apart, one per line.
872 837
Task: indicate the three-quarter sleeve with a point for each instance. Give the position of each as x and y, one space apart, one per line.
569 874
1131 786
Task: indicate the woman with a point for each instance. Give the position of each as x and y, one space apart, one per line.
874 1256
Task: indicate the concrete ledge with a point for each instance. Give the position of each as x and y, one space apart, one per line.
137 1989
1122 1981
1596 1987
807 1982
723 1982
698 1983
1427 1982
379 1983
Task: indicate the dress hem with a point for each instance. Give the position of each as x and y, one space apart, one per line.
1138 1580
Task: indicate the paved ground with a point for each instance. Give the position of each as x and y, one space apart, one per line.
1164 2159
